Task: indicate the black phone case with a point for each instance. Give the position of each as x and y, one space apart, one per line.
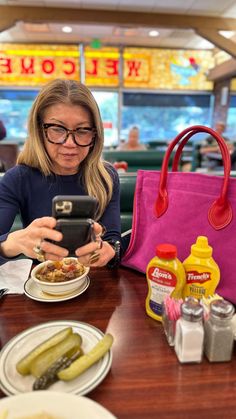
74 206
76 233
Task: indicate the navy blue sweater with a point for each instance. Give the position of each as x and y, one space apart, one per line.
27 191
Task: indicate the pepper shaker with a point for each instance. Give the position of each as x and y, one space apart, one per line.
219 334
189 335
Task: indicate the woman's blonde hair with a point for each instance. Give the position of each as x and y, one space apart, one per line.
96 178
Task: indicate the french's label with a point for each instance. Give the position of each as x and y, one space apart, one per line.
195 276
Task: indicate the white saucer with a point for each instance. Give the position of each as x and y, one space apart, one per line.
35 293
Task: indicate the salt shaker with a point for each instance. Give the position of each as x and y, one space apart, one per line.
219 334
189 335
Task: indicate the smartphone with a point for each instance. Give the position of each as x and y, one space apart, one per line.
74 214
74 206
76 233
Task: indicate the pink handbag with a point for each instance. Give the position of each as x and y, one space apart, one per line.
176 207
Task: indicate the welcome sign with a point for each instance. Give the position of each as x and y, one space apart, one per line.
31 65
163 69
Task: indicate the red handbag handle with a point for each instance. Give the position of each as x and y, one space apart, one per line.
220 213
179 150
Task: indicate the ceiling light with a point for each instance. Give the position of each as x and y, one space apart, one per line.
204 44
227 34
153 33
67 29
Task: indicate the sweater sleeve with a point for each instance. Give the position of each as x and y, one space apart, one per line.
9 204
10 196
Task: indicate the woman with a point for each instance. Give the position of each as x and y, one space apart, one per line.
61 156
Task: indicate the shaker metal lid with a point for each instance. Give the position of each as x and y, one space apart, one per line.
192 310
221 309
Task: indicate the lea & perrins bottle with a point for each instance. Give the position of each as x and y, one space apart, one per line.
165 276
202 272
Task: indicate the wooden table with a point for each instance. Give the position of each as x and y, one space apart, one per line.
146 380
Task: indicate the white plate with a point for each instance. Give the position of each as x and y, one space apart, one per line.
35 293
11 382
60 405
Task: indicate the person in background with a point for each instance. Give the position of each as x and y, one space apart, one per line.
61 156
233 160
3 131
3 134
133 141
210 151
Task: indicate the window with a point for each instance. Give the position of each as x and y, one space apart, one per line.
160 117
231 124
108 105
14 110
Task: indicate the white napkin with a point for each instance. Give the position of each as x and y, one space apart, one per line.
13 275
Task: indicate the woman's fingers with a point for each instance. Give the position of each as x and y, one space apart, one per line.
43 228
49 222
98 229
97 257
53 249
93 245
46 233
87 249
37 237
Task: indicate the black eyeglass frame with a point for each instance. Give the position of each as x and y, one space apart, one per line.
69 131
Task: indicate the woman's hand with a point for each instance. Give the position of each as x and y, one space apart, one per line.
35 235
96 253
26 241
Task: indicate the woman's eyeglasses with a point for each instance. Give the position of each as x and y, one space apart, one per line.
57 134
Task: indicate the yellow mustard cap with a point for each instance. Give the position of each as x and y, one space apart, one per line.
201 248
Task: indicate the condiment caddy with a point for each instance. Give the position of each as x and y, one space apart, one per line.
200 329
198 275
196 321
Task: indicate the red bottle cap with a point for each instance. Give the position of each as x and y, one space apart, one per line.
166 251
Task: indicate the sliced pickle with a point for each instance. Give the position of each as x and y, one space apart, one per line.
50 376
85 361
23 366
40 364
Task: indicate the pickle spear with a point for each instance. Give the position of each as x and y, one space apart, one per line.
85 361
23 366
40 364
50 376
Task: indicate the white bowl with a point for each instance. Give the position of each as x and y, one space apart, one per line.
59 288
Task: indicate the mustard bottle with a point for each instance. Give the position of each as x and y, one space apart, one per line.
165 276
202 272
